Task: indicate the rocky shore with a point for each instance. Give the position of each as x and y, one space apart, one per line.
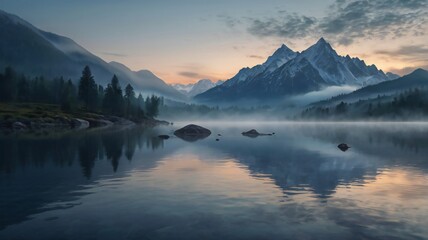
32 118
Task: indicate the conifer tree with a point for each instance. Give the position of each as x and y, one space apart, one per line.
113 99
23 94
68 97
88 90
129 99
7 85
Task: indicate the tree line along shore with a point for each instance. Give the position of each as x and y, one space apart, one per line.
39 103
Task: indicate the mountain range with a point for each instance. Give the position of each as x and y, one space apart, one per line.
288 73
34 52
193 89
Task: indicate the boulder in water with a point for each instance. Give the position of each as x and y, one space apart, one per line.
253 133
192 133
343 146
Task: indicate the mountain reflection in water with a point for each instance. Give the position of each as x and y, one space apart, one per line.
296 184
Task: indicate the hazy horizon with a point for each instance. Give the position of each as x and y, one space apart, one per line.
183 42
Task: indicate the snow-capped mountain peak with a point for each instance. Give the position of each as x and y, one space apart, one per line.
320 50
278 58
281 56
194 89
290 73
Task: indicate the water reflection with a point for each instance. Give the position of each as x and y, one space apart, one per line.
37 171
191 138
85 147
305 157
295 184
302 168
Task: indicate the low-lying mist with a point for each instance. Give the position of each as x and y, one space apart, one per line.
315 96
404 107
252 110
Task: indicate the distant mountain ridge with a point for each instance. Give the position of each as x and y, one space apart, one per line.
288 73
416 79
193 89
34 52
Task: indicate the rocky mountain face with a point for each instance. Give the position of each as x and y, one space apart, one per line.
288 73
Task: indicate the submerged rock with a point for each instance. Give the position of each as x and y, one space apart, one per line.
192 133
343 146
254 133
163 137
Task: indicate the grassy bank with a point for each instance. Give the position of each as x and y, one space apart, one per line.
37 116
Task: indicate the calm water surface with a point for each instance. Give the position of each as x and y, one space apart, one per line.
129 184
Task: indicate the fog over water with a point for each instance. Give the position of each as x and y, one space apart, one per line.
295 184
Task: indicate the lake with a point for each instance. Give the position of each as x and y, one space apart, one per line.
296 184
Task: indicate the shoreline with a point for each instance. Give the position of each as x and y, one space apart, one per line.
33 118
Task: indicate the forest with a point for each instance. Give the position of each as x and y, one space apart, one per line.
406 105
86 96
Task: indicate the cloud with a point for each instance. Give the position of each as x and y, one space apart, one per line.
255 56
407 70
411 50
290 26
190 74
114 54
404 4
231 22
417 54
346 21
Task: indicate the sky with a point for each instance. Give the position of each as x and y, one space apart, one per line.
187 40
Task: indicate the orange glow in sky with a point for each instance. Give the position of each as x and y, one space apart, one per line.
185 41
